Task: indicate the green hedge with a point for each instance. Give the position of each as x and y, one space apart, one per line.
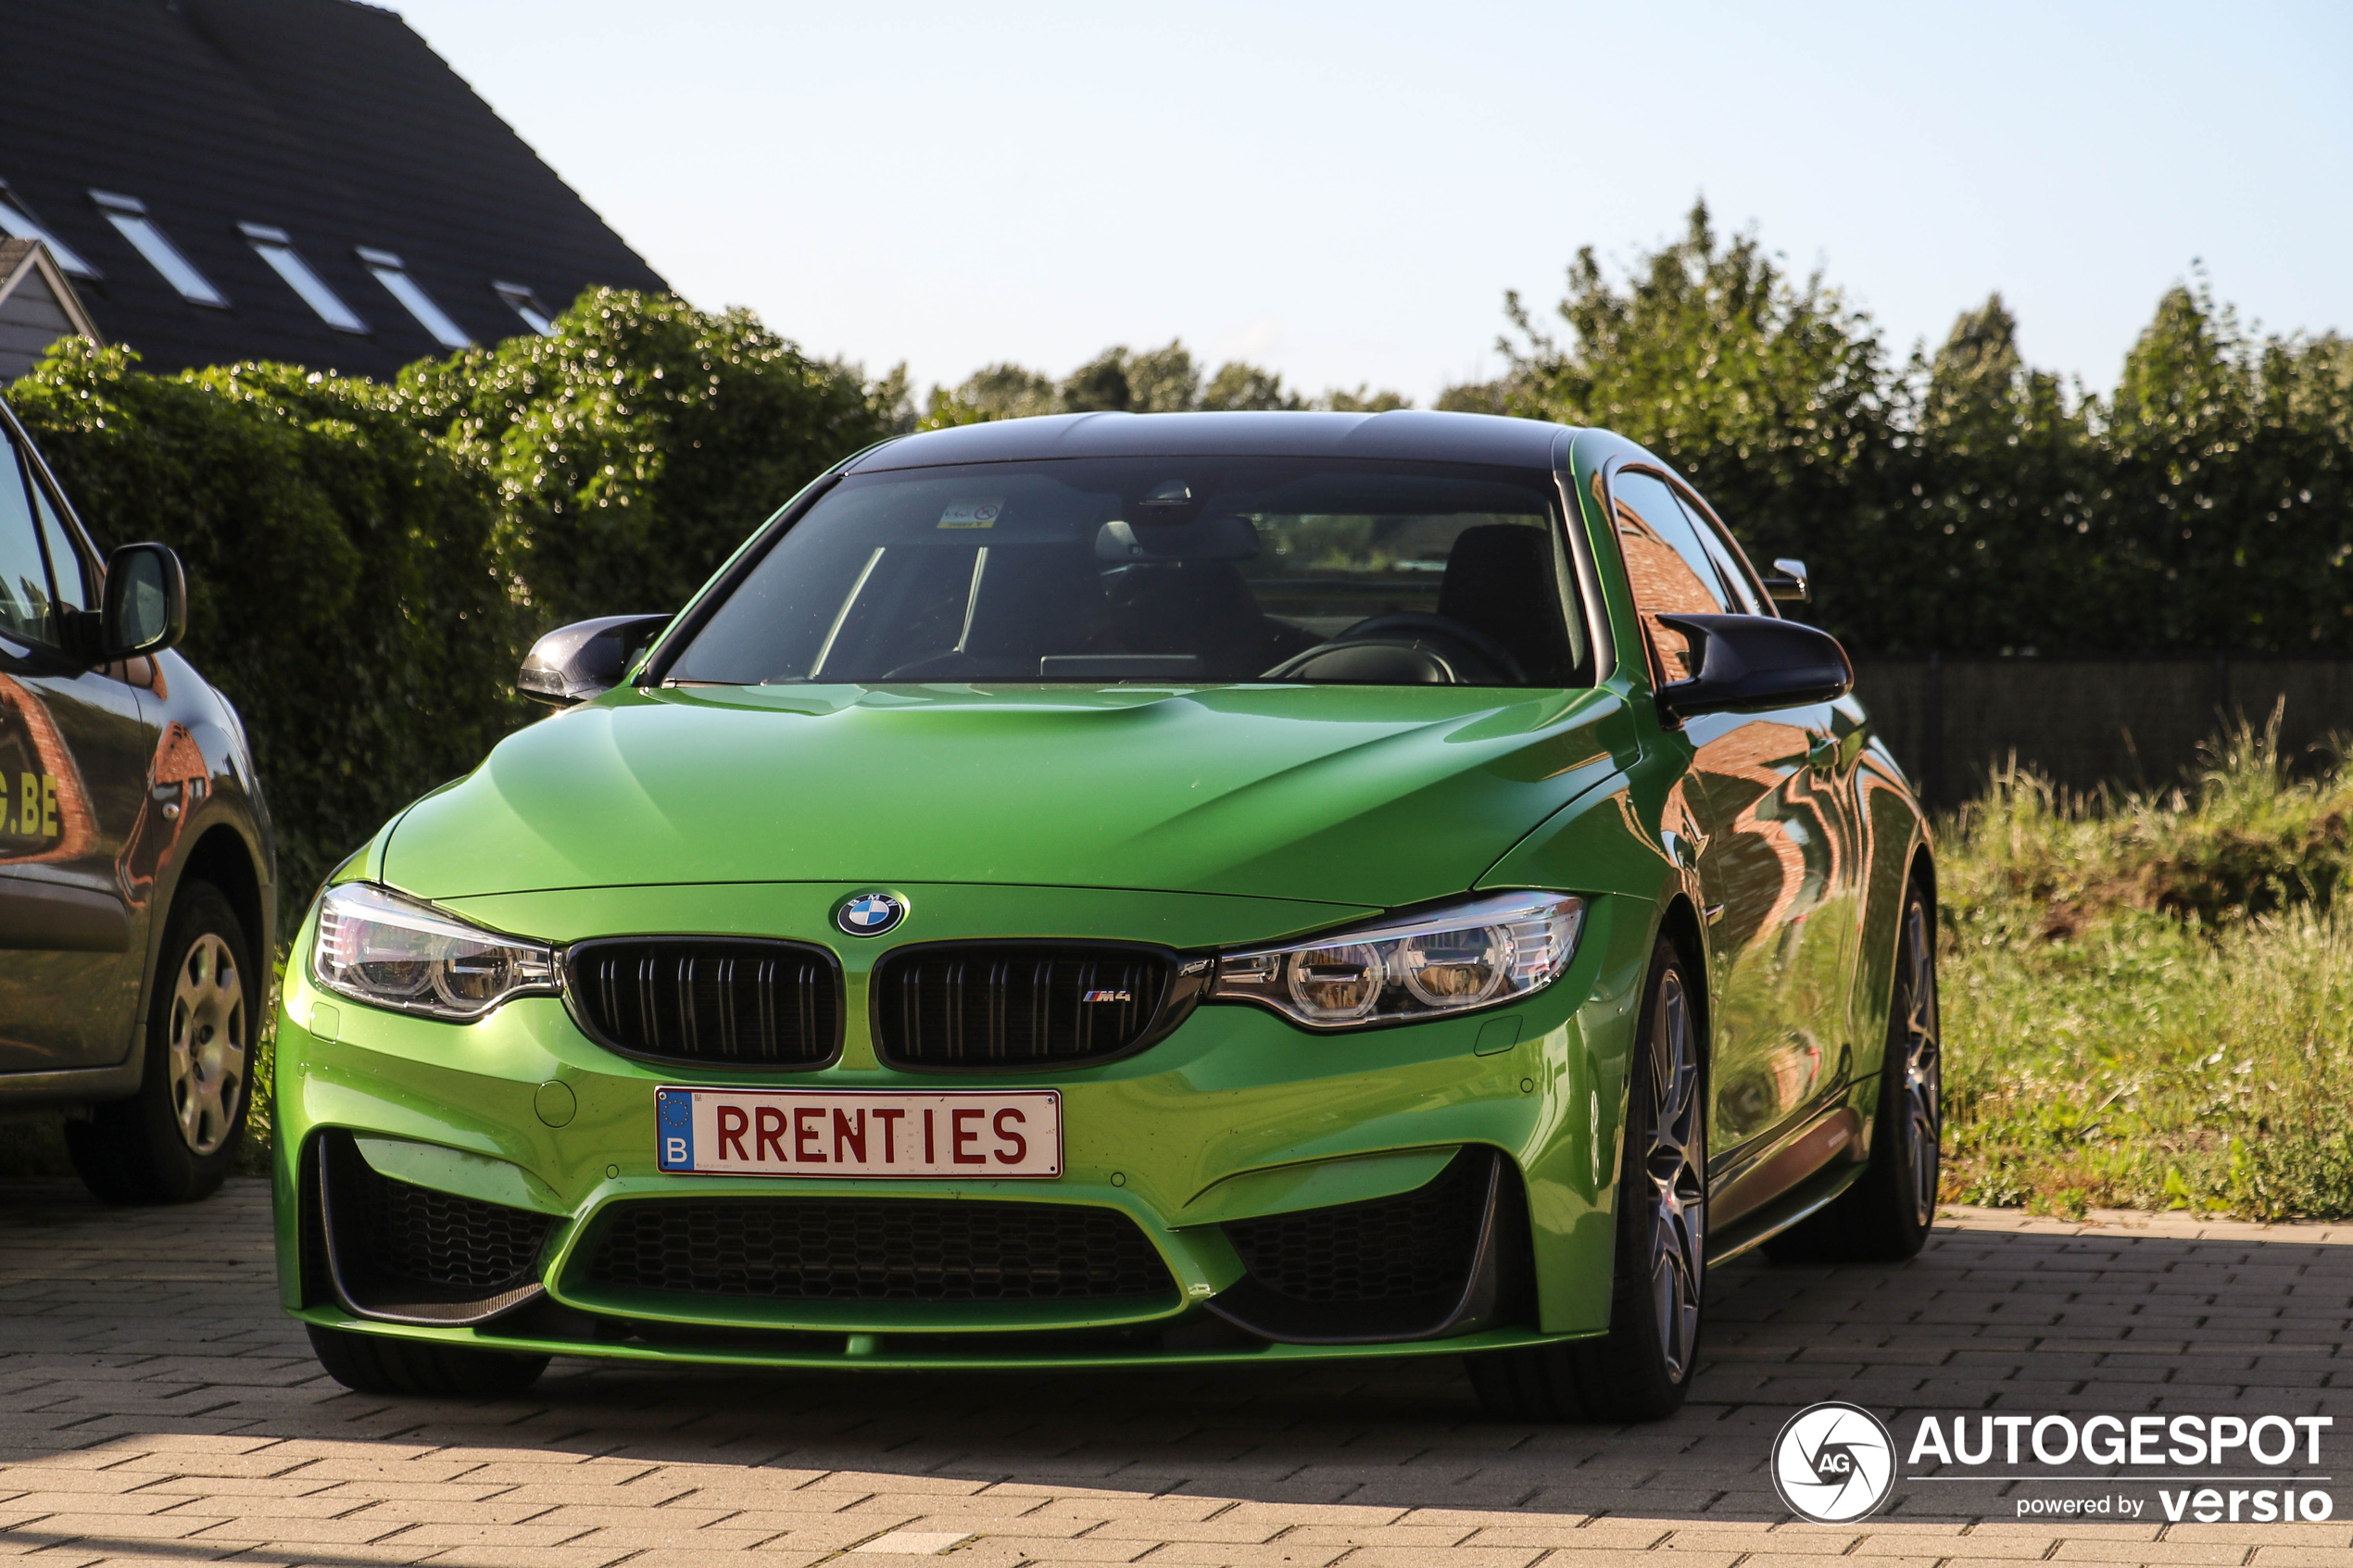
1958 499
366 563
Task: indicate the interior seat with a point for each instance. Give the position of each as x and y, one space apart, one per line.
1206 609
1500 580
1038 599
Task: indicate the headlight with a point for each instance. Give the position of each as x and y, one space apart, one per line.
378 948
1492 949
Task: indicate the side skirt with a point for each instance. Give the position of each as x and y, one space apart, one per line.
1761 1225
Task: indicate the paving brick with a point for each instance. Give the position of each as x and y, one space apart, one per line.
158 1399
115 1526
1232 1554
1055 1549
1465 1556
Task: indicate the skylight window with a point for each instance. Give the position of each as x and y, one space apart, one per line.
526 304
393 274
129 215
20 224
274 246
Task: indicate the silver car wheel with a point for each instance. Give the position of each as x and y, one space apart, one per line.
1676 1167
206 1056
1923 1063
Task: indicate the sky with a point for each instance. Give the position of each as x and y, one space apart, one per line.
1343 192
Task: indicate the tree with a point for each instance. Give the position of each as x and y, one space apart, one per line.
1969 502
1119 380
1239 386
1769 395
640 442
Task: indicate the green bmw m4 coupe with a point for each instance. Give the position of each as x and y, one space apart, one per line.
1114 890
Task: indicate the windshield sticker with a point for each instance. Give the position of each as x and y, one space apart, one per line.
973 513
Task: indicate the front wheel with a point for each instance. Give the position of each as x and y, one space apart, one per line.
174 1140
1885 1216
1642 1368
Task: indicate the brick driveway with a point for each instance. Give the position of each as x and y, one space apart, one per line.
156 1408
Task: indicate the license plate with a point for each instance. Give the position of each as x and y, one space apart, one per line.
859 1133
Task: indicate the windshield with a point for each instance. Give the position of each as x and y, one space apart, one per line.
1161 570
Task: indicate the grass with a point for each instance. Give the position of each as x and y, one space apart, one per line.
2146 995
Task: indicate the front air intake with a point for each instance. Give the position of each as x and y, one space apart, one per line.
999 1005
1443 1258
415 1254
708 1001
876 1249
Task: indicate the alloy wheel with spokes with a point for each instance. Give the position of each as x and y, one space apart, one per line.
1675 1168
1922 1045
205 1049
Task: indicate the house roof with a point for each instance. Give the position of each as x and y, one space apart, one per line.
328 119
38 305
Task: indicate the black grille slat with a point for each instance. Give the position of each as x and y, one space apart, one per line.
877 1249
710 1001
977 1006
1414 1245
422 1236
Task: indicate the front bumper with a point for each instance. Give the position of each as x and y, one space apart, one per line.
1234 1117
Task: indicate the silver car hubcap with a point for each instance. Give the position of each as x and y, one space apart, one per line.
207 1050
1676 1168
1923 1063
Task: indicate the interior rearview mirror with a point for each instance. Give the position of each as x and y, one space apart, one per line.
573 663
1201 538
146 610
1750 663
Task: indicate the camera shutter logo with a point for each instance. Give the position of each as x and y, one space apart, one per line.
1833 1463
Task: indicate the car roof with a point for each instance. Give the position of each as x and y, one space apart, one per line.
1412 435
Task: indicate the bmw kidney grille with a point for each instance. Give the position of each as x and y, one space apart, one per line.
707 1002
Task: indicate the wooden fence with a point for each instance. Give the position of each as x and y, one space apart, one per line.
2135 722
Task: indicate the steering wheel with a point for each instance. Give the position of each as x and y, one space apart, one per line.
1414 623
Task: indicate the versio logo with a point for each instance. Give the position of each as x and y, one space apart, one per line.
1832 1462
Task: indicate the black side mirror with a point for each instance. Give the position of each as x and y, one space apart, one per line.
147 602
1749 663
573 663
1790 582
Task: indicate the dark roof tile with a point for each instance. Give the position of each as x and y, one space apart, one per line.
328 118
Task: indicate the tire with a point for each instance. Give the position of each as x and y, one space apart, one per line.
1642 1368
1887 1215
174 1140
367 1364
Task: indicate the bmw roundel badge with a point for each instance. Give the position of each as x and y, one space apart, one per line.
870 914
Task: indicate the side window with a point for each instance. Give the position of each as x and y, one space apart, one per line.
1727 557
65 567
26 608
1667 565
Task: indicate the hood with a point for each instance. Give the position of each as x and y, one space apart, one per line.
1372 795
